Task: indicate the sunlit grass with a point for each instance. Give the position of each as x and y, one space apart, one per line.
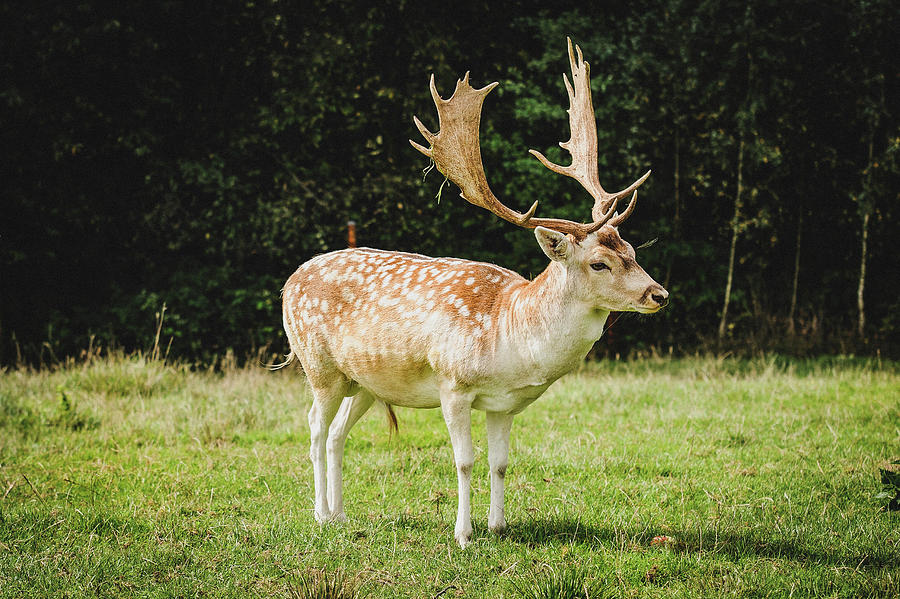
126 476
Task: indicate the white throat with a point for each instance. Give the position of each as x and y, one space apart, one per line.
554 328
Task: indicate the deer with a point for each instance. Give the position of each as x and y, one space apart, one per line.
405 330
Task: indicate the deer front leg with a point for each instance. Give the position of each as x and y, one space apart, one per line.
457 410
351 411
498 427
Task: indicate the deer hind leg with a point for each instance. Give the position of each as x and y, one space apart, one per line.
326 401
457 410
350 411
498 427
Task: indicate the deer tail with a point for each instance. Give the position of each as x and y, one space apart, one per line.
289 358
393 428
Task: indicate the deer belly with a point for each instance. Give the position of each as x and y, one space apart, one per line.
394 380
510 401
414 384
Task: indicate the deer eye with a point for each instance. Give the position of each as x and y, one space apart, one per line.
598 266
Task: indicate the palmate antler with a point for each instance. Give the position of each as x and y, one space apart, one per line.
456 152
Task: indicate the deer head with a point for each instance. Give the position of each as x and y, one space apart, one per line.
600 266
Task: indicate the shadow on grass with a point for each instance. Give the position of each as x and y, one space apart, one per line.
551 531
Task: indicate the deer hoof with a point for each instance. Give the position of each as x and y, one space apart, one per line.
498 527
464 538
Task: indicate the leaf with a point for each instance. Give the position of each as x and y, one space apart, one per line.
891 479
647 244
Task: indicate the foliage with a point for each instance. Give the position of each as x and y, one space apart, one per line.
194 154
890 482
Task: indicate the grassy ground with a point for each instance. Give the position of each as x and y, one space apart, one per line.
125 477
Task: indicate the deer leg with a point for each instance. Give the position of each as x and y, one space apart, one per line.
498 426
457 410
351 411
326 401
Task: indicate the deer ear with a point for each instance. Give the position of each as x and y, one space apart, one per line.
556 245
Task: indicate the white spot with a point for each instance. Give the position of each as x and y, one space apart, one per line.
470 281
464 310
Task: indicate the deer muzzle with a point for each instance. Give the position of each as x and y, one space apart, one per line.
655 298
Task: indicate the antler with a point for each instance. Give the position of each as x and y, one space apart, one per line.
456 152
582 145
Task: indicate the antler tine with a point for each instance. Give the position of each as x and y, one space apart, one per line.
428 135
604 209
618 219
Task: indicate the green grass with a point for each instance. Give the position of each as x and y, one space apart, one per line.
127 477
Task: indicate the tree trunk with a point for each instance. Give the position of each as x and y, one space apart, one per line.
734 235
865 206
860 302
792 312
676 220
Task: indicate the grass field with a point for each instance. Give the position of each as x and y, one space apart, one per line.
127 477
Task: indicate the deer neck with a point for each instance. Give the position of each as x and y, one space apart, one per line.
549 326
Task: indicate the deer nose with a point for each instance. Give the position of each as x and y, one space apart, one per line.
660 296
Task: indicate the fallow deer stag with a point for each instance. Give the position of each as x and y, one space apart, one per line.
407 330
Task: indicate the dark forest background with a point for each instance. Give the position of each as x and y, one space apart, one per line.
193 154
